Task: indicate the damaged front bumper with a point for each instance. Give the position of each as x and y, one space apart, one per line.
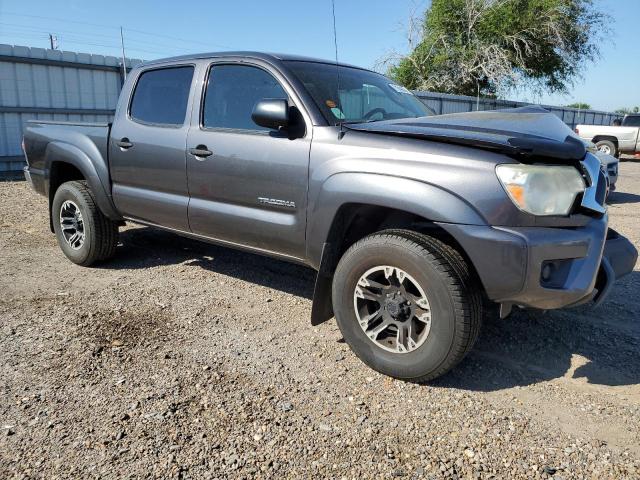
546 268
618 259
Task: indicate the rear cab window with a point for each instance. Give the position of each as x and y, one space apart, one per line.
161 96
631 121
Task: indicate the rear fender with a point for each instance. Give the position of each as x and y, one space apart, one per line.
94 172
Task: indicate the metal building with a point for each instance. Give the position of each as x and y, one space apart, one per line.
36 83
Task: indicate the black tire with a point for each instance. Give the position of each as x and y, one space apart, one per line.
450 286
607 145
100 233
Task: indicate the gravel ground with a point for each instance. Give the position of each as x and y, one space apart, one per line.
180 359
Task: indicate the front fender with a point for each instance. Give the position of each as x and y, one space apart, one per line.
419 198
95 172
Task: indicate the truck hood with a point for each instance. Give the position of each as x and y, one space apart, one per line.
523 132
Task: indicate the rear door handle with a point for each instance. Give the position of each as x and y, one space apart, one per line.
124 143
200 151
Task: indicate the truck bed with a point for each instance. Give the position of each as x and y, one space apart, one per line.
43 137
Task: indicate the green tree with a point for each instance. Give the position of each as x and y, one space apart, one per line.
492 46
624 111
580 105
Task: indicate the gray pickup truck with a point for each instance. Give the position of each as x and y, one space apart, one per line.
413 222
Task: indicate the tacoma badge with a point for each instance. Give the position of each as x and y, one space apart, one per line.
277 202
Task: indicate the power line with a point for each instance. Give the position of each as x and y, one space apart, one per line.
76 39
45 37
81 36
176 38
65 20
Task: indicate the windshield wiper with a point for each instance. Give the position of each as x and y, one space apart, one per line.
352 122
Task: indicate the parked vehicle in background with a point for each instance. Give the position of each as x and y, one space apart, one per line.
412 221
614 140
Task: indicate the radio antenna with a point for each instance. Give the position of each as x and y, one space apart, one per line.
335 45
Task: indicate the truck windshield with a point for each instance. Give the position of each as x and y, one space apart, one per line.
363 96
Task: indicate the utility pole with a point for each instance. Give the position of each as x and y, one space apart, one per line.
124 59
53 41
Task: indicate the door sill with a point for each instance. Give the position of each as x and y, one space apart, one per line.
224 243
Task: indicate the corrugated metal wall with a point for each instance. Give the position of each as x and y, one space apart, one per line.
444 103
36 83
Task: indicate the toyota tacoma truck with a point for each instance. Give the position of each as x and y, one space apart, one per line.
616 139
414 223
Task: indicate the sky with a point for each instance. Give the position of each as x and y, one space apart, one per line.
366 31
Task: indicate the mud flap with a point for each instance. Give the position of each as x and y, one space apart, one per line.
322 307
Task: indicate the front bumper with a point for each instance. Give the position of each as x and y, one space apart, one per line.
546 268
612 172
618 259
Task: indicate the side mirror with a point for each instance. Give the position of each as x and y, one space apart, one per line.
271 113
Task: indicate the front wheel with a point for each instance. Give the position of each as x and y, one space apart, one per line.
607 147
407 304
84 234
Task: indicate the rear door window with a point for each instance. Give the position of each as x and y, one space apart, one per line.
161 96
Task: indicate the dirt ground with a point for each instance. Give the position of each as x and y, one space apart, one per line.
185 360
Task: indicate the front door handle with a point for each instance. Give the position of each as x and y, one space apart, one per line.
200 151
124 143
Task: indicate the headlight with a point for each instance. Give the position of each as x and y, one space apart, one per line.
541 189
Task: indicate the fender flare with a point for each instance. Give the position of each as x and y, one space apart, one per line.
94 171
428 201
609 138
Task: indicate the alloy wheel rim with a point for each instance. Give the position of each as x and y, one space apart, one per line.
72 224
605 149
392 309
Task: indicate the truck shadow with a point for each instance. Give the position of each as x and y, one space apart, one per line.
599 346
616 198
147 247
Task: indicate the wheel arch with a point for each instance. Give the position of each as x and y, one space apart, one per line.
65 162
353 216
335 198
599 138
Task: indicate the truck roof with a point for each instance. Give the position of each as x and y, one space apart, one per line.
270 57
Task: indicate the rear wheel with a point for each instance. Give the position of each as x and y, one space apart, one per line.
407 304
608 147
84 234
